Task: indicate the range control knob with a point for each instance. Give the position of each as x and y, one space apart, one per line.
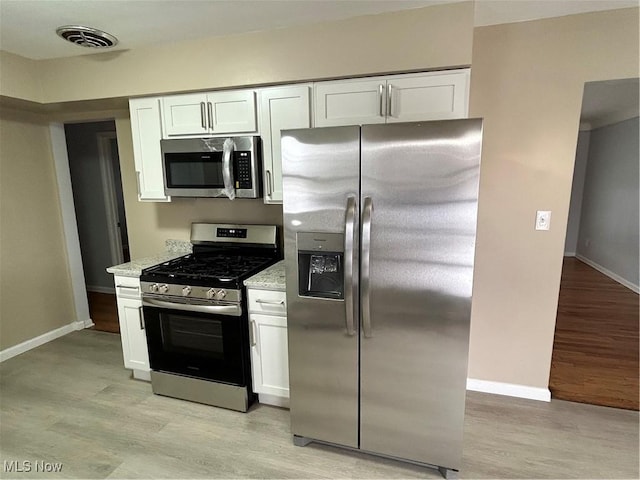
164 288
221 294
186 291
153 288
211 293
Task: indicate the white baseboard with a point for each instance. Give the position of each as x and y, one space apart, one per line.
509 389
98 289
11 352
609 273
569 254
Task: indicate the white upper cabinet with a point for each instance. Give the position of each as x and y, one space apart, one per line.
350 102
393 98
185 114
433 96
146 131
211 113
280 109
383 99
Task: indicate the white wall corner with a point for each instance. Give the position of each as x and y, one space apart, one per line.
509 389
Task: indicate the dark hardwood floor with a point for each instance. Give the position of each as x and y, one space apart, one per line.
595 350
104 312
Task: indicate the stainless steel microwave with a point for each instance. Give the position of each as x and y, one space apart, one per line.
212 167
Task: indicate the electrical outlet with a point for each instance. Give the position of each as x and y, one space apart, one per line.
543 219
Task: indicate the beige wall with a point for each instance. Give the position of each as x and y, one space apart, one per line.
370 44
150 223
527 83
20 78
35 285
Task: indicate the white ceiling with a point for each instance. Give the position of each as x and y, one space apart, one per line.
27 27
610 101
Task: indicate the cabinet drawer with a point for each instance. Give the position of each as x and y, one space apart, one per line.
267 301
127 287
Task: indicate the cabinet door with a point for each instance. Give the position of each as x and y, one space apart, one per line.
269 355
146 132
434 96
280 109
350 102
232 112
132 334
185 114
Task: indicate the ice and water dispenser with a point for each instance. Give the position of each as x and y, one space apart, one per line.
321 265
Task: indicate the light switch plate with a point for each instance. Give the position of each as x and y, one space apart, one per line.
543 219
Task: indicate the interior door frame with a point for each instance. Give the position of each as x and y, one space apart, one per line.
70 225
110 202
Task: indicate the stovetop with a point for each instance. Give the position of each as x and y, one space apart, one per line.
215 269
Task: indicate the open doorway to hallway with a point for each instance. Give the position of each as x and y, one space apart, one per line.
99 207
595 352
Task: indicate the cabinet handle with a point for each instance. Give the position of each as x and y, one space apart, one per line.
389 100
269 189
203 119
268 302
380 97
252 333
210 114
128 287
138 183
140 311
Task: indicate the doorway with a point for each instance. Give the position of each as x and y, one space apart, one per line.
94 169
595 352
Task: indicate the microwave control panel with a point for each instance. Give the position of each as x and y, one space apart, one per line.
243 170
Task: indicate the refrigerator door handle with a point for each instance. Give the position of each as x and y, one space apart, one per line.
364 269
349 241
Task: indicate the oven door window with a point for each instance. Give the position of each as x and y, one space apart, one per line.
198 345
189 335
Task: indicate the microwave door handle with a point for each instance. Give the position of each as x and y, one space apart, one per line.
227 172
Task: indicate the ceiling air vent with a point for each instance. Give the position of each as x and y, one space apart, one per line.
87 36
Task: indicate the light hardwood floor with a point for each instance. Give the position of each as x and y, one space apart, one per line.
71 401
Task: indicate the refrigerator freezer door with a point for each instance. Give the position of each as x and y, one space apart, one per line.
422 179
321 180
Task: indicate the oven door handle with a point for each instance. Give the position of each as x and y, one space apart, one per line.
232 310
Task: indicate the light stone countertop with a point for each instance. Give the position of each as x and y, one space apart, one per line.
175 249
271 278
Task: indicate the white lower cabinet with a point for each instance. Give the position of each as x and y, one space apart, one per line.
269 348
132 331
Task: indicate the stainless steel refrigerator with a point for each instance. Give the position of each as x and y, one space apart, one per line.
380 228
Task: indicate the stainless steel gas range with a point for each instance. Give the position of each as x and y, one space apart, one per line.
195 314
